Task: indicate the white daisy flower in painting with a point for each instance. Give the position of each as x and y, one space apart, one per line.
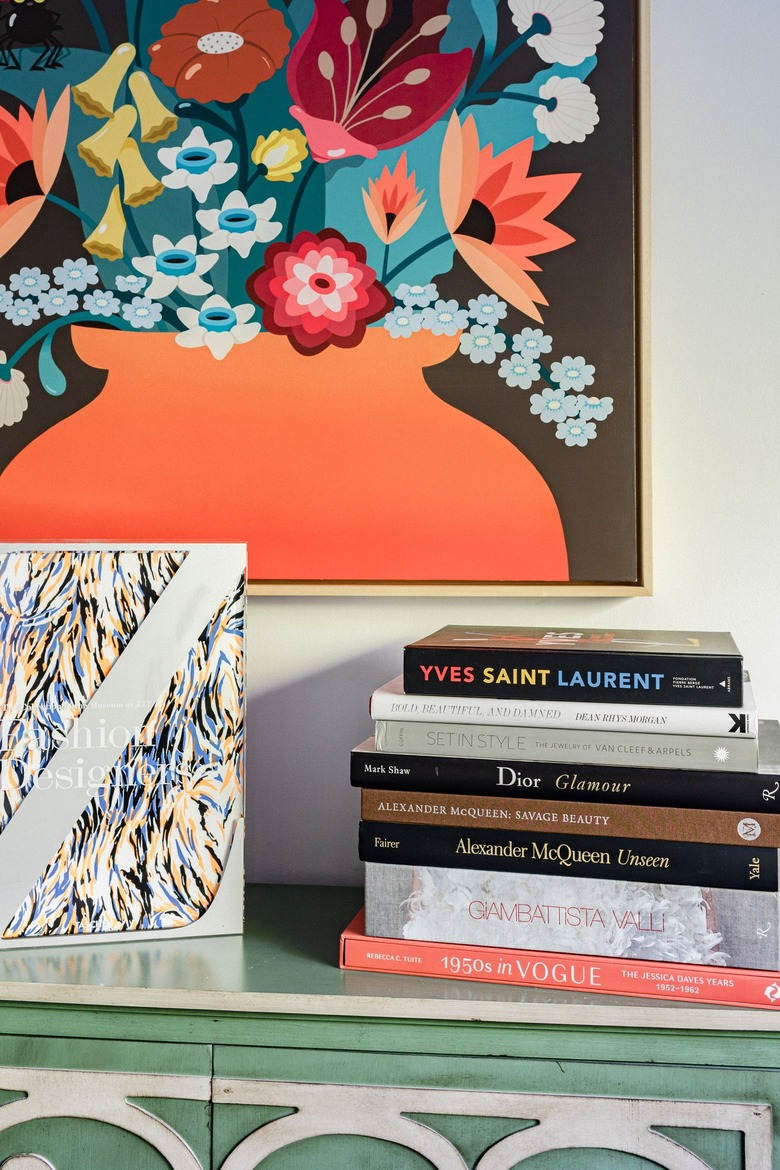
519 371
218 325
532 342
553 406
58 303
29 282
13 394
22 311
402 322
175 266
239 225
573 373
568 111
102 303
561 31
575 432
416 296
487 309
75 275
594 407
197 164
131 283
142 313
482 343
445 318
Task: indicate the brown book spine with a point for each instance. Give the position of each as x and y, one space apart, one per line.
609 820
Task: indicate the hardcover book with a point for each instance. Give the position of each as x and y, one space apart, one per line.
629 920
609 666
572 747
392 702
665 786
608 820
677 982
122 724
685 863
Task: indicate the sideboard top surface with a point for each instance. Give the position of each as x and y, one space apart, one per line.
286 963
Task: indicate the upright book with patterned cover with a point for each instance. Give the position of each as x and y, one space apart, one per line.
608 666
121 741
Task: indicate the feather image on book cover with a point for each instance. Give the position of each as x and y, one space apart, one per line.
590 916
121 713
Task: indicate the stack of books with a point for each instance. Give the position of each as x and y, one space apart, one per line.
591 809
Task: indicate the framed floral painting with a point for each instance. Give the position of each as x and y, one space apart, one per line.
357 282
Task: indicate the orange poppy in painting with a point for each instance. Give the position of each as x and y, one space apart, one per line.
496 212
392 202
219 50
31 150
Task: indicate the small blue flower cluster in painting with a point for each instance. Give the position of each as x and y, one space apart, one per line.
32 294
566 398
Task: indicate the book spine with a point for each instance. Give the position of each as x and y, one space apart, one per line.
571 747
704 680
682 863
676 982
638 920
662 787
659 787
707 826
386 703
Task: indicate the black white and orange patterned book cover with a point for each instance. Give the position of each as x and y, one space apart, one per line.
121 741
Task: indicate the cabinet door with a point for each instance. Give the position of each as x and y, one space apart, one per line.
333 1110
76 1104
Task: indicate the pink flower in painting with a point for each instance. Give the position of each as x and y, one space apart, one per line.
318 290
359 88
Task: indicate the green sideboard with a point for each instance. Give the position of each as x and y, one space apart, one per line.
236 1053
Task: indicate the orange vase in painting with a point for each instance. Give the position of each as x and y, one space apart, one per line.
339 467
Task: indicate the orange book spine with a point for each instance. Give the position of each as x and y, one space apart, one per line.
650 823
680 982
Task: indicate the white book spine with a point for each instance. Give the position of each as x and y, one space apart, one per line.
639 749
574 915
390 702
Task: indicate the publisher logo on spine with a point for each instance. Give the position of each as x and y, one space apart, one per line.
749 829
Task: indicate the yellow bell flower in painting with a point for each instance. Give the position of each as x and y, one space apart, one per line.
279 156
392 202
140 185
101 150
107 242
96 95
157 121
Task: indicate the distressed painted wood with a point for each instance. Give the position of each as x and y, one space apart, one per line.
562 1123
286 963
332 1075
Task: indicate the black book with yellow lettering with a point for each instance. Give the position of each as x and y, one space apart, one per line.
608 666
685 863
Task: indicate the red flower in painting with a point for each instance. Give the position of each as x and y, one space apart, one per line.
357 89
31 150
392 202
496 212
318 291
219 50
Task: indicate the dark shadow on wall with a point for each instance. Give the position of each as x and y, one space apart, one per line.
302 812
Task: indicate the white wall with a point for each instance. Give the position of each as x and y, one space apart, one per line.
715 394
